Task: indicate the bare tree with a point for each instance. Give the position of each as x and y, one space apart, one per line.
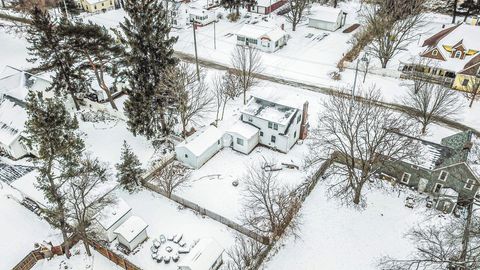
270 207
431 101
472 90
85 197
452 245
172 177
363 137
244 254
296 13
225 88
192 96
394 24
247 63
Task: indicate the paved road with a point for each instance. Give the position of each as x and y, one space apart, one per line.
325 90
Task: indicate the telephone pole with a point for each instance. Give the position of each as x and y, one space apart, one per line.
195 44
214 35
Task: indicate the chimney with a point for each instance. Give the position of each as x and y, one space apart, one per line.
304 125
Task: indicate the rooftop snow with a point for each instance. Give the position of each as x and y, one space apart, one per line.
429 155
254 31
269 111
93 2
203 255
131 228
111 214
468 34
12 121
323 13
16 83
243 129
289 99
201 142
26 186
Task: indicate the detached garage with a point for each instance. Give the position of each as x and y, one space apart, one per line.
132 232
244 137
326 18
198 149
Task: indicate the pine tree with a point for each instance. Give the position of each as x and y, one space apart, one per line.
72 7
148 52
129 173
53 133
49 49
97 52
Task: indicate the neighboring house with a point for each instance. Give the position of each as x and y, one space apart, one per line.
264 38
449 171
178 13
201 16
111 217
281 120
14 88
266 6
97 5
243 137
205 255
450 57
200 147
132 232
326 18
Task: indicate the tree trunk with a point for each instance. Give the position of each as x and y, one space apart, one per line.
474 95
3 4
358 194
294 26
467 14
87 246
466 237
223 109
454 15
335 3
66 241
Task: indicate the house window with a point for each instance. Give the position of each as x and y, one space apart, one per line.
273 139
251 41
250 119
295 134
186 156
103 4
465 82
477 195
458 54
218 142
239 141
469 184
437 188
270 125
405 178
261 133
434 52
276 44
443 175
239 38
275 126
299 118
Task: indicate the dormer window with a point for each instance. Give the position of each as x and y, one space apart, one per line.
458 54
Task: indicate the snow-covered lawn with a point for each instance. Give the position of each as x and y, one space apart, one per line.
79 261
20 229
342 238
164 216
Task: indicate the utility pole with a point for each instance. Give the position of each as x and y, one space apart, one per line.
195 44
355 80
214 35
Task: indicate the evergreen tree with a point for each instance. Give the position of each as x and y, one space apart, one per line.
53 133
72 8
49 49
97 52
148 52
129 169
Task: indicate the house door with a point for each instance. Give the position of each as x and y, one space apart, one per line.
422 184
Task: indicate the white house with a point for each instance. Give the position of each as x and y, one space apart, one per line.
132 232
199 148
243 137
205 255
266 6
262 37
201 15
282 120
111 217
178 13
326 18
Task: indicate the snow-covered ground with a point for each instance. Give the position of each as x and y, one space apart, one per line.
342 238
20 229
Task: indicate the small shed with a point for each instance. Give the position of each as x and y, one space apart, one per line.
111 217
205 255
326 18
244 137
132 232
201 15
199 148
267 38
12 122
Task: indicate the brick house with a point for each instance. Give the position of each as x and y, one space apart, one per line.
448 171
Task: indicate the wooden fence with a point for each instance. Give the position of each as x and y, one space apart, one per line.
197 208
29 261
114 257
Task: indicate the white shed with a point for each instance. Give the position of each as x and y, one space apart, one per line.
111 217
199 148
12 122
264 38
132 232
205 255
326 18
244 137
201 16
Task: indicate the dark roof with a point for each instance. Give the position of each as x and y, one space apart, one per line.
433 40
460 145
469 69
